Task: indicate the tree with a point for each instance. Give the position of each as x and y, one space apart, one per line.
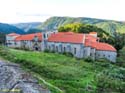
117 40
2 38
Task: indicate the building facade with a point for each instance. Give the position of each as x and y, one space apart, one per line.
80 45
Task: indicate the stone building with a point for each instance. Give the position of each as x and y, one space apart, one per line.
28 41
10 39
80 45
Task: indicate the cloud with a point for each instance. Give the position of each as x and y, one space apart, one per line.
39 10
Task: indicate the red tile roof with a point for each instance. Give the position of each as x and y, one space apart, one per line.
99 45
13 34
104 46
93 33
70 37
29 37
66 37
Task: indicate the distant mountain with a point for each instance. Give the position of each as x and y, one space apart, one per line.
109 26
27 26
6 29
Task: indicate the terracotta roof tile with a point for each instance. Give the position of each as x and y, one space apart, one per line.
99 45
13 34
29 37
66 37
70 37
93 33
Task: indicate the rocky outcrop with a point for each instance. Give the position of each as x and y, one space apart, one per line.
14 80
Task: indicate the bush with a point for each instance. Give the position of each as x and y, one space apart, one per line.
110 81
89 59
68 54
102 60
46 50
120 62
26 49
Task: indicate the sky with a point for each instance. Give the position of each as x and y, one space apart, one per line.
18 11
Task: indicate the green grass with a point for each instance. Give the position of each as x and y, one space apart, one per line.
62 73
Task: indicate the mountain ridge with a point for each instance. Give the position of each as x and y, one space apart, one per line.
8 28
27 26
109 26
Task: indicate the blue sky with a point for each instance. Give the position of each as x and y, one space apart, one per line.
14 11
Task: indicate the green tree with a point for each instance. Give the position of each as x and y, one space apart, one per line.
2 38
117 40
121 57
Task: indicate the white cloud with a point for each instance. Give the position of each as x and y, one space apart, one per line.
39 10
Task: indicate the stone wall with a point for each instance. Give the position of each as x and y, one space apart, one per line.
110 55
75 49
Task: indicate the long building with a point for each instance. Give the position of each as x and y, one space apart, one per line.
80 45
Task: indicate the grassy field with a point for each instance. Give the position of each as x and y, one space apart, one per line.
68 74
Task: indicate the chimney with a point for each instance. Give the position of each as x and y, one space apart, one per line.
93 34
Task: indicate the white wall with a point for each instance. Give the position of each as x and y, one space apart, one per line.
92 53
86 52
66 47
10 41
110 55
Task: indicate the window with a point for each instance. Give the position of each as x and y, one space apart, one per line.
74 50
84 51
69 48
44 35
90 54
60 47
109 56
64 49
15 43
57 48
54 47
49 48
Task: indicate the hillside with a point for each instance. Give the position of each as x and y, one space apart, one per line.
68 74
27 26
6 28
109 26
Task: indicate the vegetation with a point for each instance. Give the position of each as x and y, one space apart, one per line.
6 28
118 41
107 25
2 38
121 58
27 27
68 74
30 31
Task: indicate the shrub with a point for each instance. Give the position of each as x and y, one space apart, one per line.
46 50
120 62
89 59
68 54
109 81
102 60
